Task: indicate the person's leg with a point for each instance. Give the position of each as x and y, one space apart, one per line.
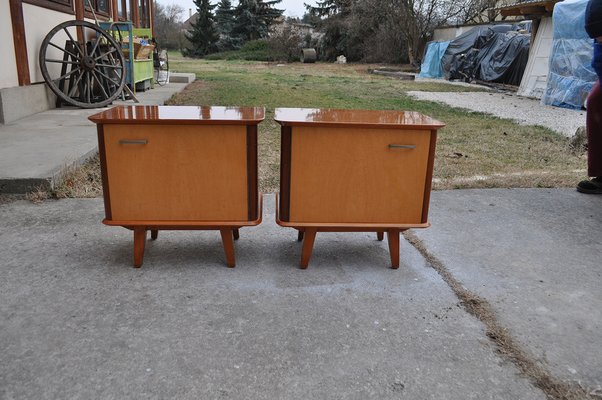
594 132
594 142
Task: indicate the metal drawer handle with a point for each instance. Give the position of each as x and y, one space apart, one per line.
402 146
143 141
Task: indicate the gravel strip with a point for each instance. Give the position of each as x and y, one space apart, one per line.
522 110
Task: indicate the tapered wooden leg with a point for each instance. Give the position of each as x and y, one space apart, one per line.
380 236
139 242
300 236
236 234
308 245
154 234
228 243
393 238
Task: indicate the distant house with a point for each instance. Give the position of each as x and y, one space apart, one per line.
187 25
23 26
282 23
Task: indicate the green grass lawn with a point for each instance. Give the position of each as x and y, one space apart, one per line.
473 150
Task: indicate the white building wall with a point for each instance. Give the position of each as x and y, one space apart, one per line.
450 32
38 22
8 62
535 77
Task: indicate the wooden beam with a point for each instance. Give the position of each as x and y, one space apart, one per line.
16 15
135 13
79 10
533 10
114 13
151 15
79 15
509 12
525 11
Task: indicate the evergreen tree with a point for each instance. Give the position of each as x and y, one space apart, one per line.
224 20
202 35
224 17
254 17
332 17
330 8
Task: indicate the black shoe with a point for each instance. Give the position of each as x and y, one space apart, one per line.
592 186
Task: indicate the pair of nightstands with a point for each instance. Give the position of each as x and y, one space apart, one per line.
182 167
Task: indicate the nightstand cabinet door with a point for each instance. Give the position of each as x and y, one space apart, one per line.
176 172
358 175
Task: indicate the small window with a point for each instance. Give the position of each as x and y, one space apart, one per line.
100 6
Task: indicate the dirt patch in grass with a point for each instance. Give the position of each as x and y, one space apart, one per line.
505 345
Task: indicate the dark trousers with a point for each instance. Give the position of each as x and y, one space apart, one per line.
594 131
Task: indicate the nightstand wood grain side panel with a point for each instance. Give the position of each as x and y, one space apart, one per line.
285 172
102 155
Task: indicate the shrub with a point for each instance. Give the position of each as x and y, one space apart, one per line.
255 50
286 45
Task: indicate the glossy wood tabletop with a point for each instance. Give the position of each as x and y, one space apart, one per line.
181 115
348 118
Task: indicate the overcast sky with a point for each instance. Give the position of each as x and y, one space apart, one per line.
293 8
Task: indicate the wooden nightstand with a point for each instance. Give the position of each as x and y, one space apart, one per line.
355 170
180 168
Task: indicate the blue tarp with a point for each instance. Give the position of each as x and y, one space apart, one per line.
431 65
571 76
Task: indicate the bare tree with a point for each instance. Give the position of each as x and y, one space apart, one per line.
480 11
418 19
168 26
379 30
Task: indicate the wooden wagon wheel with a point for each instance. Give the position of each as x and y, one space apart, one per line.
82 64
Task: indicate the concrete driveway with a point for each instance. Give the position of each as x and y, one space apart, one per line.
77 321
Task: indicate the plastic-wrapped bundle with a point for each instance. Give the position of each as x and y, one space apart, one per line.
431 65
491 53
571 76
506 61
461 54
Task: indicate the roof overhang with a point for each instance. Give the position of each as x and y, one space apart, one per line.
536 8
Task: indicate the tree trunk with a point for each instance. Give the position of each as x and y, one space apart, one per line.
411 54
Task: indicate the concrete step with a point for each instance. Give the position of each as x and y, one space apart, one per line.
181 77
35 151
23 101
